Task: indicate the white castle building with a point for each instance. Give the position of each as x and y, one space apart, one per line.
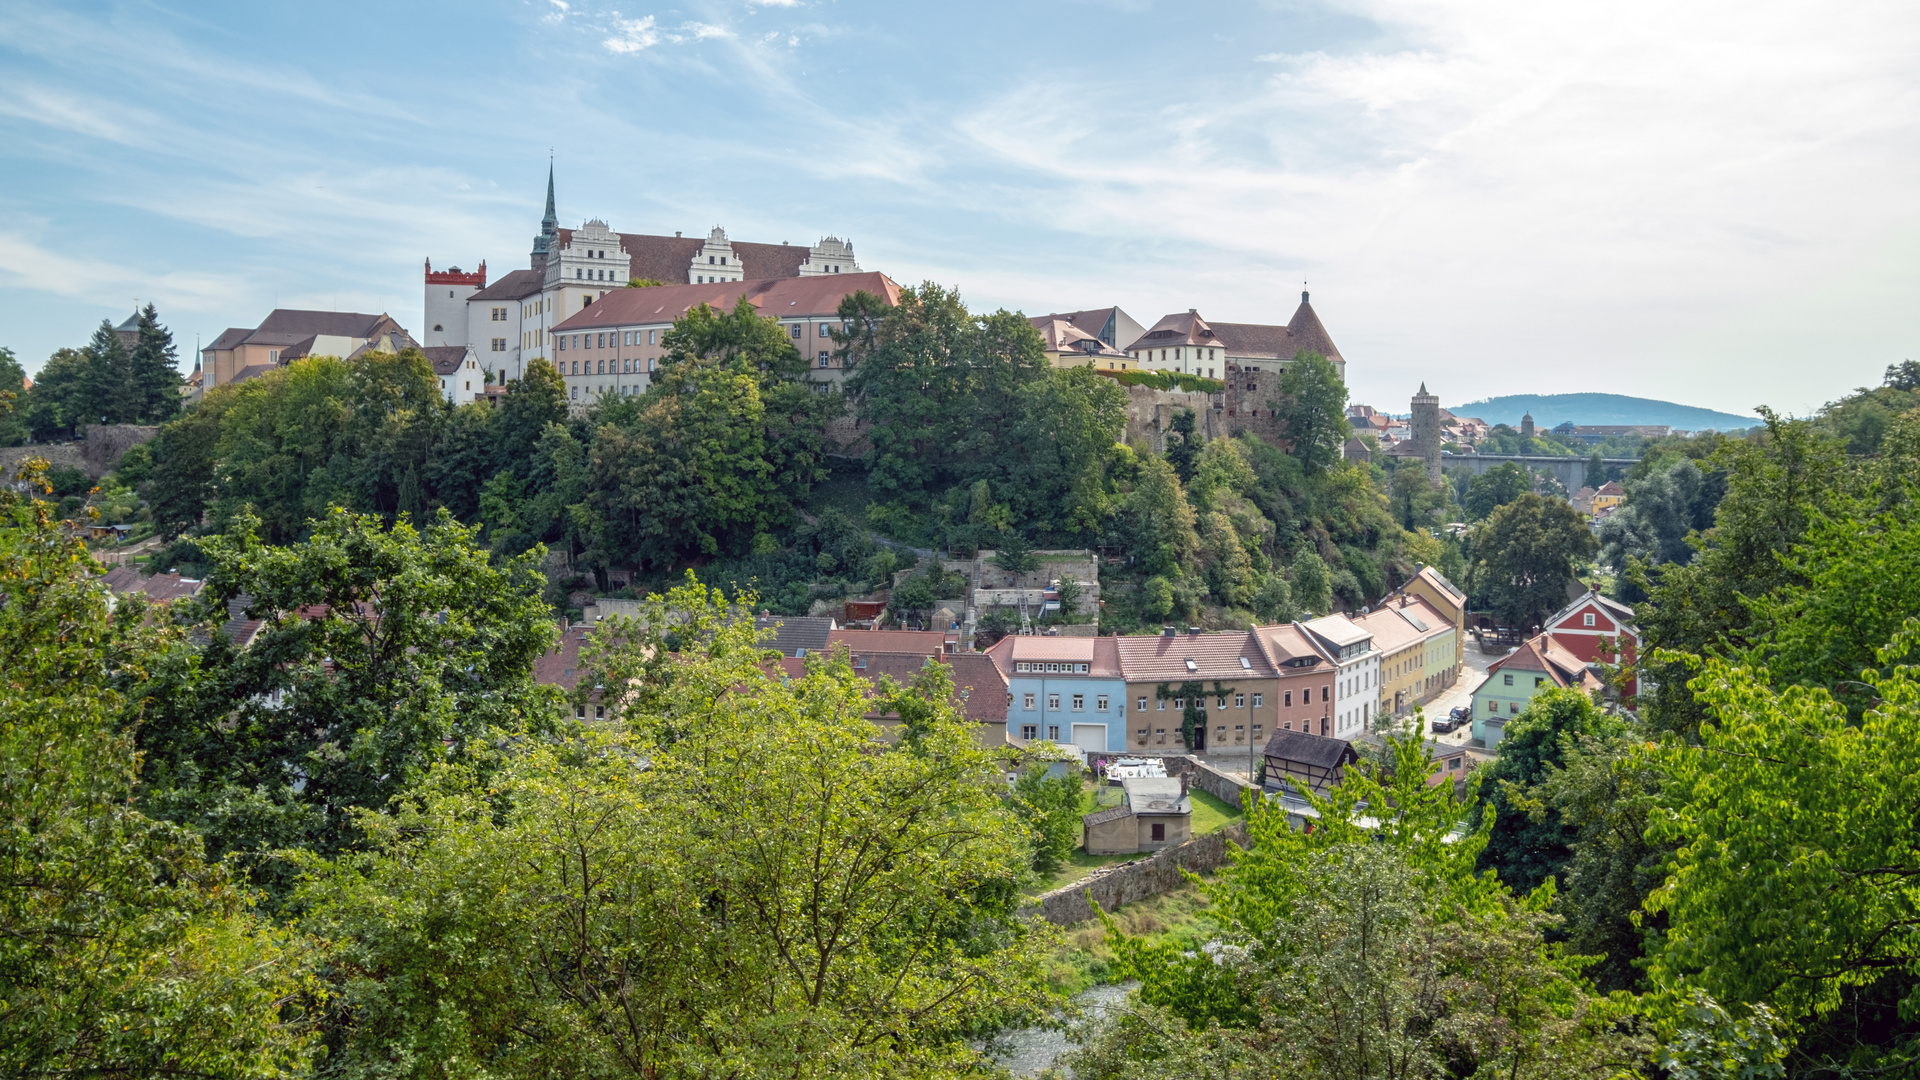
508 323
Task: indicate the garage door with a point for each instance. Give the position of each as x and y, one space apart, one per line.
1090 737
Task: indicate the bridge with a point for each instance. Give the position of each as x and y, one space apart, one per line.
1570 471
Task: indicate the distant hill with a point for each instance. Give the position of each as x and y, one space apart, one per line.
1551 409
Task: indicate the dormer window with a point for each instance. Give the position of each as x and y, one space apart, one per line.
1191 665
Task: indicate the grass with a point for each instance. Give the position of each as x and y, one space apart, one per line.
1079 865
1085 955
1211 814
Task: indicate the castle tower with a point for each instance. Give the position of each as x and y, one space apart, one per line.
445 312
1526 426
1425 430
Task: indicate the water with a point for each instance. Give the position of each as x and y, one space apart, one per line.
1026 1051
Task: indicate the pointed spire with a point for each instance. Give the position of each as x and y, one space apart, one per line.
1423 388
549 226
552 219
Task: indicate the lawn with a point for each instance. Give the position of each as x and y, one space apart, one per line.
1211 814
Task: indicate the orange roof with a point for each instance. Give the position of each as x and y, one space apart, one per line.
809 297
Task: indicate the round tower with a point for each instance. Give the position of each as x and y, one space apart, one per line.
1424 431
1526 426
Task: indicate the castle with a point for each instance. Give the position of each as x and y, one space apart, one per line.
508 324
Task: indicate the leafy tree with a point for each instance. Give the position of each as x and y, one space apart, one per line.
1496 488
60 398
1596 472
1183 444
1525 554
1273 602
1530 842
1015 554
636 900
1050 807
185 460
1313 410
379 652
1904 375
1416 499
1814 925
126 954
1157 597
1312 584
13 379
1662 510
1229 570
1163 538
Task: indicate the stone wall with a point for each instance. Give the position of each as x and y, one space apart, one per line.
1125 883
71 455
107 443
1223 786
1247 404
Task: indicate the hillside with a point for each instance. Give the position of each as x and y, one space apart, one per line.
1551 409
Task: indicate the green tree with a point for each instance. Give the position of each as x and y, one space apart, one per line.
1050 807
1530 842
185 457
1313 410
1273 602
60 398
1596 472
154 371
1496 488
636 900
111 396
1816 923
1162 522
13 391
378 653
1183 444
127 954
1312 584
1524 555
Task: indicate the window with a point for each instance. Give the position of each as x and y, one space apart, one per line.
1587 619
1323 693
1143 704
1257 699
823 359
1028 699
1053 701
1029 732
1159 831
499 344
650 334
1163 705
1288 700
1222 704
825 330
1507 680
1179 703
723 260
1538 679
1258 728
1239 701
573 392
795 330
273 356
1513 707
1493 706
1053 732
1079 703
1100 703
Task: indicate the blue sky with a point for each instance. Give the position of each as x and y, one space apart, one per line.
1711 202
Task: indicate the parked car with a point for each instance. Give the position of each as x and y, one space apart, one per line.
1445 724
1461 713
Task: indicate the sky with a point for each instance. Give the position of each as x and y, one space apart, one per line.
1710 202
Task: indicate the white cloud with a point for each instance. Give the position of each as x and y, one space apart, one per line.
32 266
633 35
774 3
558 13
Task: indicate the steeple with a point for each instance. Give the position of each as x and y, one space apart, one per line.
549 227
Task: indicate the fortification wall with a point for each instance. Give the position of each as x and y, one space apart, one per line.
106 444
1158 873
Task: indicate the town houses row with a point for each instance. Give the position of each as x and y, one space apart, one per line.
596 304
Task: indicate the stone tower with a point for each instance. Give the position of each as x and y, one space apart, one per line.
1526 426
1425 430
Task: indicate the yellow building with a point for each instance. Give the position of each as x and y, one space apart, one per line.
1417 649
1433 587
1608 497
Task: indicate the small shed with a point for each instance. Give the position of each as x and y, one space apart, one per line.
1157 813
1313 762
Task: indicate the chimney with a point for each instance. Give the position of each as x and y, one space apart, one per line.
1166 631
1194 630
1183 783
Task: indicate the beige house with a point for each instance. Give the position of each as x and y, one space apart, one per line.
1069 346
287 335
1156 813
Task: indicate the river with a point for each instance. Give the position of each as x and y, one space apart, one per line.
1026 1051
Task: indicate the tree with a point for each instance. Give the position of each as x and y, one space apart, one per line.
635 900
127 953
154 371
60 397
1273 602
1312 584
1904 375
380 651
1164 540
1525 554
185 457
13 390
1530 842
110 397
1183 444
1817 924
1313 411
1050 807
1596 472
1662 510
1496 488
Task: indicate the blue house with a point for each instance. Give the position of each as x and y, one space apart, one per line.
1067 690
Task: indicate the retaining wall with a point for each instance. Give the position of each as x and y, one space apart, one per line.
1158 873
106 444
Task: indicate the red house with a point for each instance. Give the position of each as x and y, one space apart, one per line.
1597 629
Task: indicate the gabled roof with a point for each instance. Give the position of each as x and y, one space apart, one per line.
1611 487
1184 328
1619 612
1259 341
792 633
1062 336
1101 817
293 324
1102 323
1439 581
561 666
230 338
1214 656
1545 656
669 259
446 359
1286 642
1310 749
515 286
1391 631
808 297
917 642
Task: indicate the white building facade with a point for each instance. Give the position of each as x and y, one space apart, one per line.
1356 677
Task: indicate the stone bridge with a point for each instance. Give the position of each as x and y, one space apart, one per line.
1570 471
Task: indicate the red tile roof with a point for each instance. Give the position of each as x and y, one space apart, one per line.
1542 654
917 642
1215 656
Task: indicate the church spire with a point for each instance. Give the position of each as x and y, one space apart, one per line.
549 227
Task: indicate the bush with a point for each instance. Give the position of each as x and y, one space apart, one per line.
1166 380
67 480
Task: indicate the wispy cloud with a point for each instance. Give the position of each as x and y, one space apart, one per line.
633 35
